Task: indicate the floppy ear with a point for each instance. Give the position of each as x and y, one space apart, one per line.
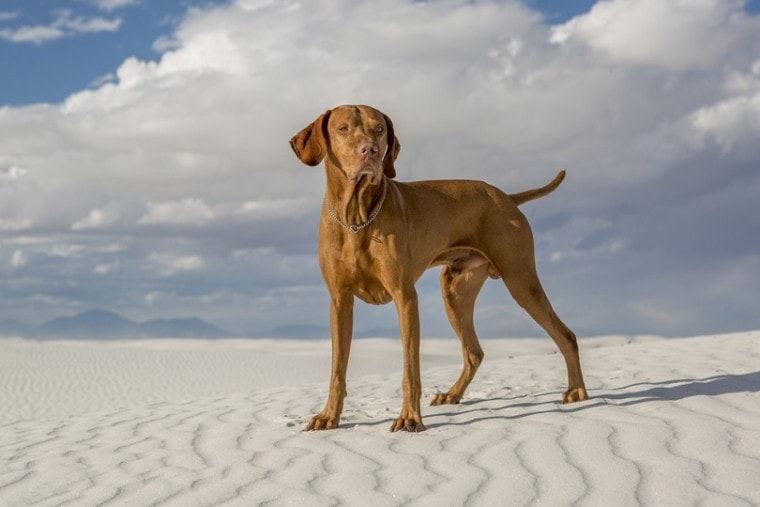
310 145
394 146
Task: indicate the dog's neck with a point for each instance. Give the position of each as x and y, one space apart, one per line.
353 204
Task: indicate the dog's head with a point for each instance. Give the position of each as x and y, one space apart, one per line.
359 140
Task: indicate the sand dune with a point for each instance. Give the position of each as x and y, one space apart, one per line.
172 422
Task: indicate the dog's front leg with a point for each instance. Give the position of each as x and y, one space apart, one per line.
341 329
409 324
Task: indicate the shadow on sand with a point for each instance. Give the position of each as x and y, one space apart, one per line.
632 394
672 390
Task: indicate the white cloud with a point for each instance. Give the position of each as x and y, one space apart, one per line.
188 211
169 264
64 25
677 35
730 122
14 224
110 248
164 43
8 15
66 250
96 219
194 211
10 175
104 269
738 82
102 80
110 5
212 51
79 24
279 208
188 263
18 259
151 298
34 34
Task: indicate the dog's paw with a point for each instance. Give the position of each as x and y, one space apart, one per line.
444 399
411 424
409 420
574 394
322 422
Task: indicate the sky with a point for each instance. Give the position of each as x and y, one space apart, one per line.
145 166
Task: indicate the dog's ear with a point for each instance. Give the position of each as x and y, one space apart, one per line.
310 144
394 146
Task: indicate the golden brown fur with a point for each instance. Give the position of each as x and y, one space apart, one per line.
472 229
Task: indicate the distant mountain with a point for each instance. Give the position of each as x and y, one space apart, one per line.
90 325
107 325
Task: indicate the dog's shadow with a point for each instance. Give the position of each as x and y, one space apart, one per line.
632 394
673 390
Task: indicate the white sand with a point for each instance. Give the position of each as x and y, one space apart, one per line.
178 422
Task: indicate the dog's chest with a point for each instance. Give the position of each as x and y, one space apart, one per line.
359 266
366 276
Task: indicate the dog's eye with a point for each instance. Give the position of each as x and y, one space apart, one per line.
379 129
343 129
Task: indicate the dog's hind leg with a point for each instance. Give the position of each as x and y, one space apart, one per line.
459 290
527 291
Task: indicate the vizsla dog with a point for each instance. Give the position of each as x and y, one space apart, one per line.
377 236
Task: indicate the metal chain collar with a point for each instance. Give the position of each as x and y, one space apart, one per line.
353 229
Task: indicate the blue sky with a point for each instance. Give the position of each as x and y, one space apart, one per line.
144 165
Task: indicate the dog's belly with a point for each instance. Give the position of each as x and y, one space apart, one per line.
460 260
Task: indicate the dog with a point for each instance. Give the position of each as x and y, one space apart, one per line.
377 236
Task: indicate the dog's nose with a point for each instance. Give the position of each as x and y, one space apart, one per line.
369 148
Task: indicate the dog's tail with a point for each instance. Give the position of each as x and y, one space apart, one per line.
529 195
